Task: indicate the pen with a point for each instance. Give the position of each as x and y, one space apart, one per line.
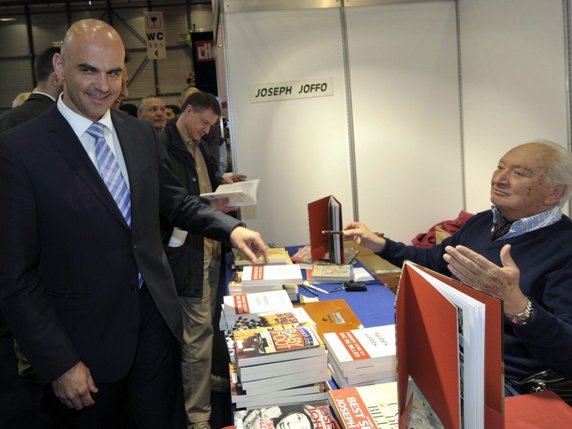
311 286
329 231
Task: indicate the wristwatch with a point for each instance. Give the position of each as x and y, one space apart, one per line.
521 318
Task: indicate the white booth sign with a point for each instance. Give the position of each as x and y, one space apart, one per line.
307 88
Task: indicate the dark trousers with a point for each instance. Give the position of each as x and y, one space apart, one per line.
150 396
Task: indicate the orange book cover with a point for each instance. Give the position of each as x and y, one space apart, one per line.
333 315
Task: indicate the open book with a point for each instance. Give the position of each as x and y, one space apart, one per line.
449 341
239 194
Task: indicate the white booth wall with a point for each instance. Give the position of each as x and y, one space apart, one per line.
427 96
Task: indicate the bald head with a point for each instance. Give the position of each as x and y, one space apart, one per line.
91 65
531 178
186 93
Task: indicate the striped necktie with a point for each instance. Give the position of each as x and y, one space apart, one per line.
111 175
110 172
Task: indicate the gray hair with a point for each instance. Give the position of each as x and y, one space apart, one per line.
560 173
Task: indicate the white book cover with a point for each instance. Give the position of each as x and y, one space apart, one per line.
239 194
271 274
257 302
362 347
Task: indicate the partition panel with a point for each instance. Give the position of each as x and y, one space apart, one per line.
297 147
514 82
404 90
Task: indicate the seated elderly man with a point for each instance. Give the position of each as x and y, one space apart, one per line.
519 251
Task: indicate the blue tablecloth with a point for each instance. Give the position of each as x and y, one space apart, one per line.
373 307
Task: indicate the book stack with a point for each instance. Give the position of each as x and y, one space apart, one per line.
373 406
275 366
238 306
266 321
258 278
235 287
299 415
332 273
307 393
276 256
360 357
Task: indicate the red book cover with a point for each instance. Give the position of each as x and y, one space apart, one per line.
323 215
428 351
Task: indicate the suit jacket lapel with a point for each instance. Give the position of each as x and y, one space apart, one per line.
67 144
133 151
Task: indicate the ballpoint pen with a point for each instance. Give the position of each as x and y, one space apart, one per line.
309 285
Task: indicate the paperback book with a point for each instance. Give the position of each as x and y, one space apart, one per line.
329 273
239 194
299 415
237 306
333 315
305 392
235 287
254 348
362 348
264 275
276 256
373 406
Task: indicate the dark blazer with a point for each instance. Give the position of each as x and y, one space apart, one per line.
69 262
186 261
34 106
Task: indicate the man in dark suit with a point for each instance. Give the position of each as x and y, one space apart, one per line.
84 283
42 98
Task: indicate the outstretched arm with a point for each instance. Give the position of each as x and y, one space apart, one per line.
363 236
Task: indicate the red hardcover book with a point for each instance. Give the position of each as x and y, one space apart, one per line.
428 347
325 214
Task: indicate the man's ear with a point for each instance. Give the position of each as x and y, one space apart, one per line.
58 63
555 195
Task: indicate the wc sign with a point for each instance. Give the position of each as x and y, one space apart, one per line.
155 34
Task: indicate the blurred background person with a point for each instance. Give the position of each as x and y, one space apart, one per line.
172 112
20 98
124 93
43 96
129 108
152 110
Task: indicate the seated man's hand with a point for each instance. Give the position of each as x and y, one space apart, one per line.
363 236
478 272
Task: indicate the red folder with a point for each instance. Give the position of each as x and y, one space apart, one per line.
427 347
